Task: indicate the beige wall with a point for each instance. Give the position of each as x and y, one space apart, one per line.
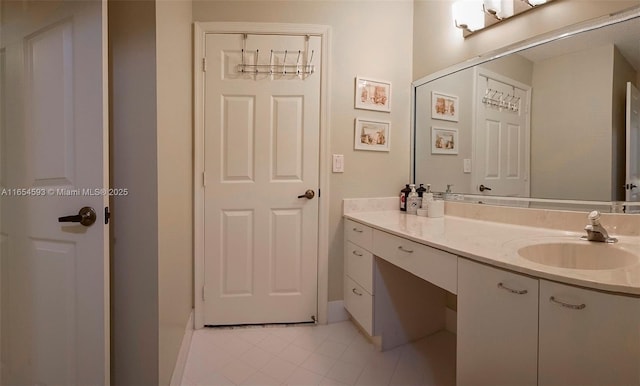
134 249
369 38
439 170
151 155
565 113
175 182
439 44
513 66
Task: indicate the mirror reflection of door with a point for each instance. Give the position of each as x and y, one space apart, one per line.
501 136
632 181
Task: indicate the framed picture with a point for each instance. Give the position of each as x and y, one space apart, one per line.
444 141
372 135
373 94
444 106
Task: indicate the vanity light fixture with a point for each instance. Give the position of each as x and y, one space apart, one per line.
468 15
534 3
474 15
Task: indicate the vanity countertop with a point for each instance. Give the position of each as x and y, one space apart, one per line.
497 244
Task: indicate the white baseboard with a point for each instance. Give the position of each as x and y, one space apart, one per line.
336 312
181 362
451 321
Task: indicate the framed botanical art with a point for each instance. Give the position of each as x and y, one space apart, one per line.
444 141
373 94
372 135
444 106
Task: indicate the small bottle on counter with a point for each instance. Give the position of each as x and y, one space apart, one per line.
413 200
403 198
427 196
421 190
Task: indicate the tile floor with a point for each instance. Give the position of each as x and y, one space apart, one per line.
334 354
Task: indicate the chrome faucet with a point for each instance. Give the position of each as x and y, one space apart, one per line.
595 231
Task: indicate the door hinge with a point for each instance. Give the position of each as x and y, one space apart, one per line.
204 179
318 192
204 64
107 215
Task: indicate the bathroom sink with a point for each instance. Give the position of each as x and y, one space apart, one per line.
579 255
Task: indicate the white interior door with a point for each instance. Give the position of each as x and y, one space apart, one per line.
55 320
632 181
501 136
261 152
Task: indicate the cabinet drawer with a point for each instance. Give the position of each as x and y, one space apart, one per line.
433 265
359 265
358 234
359 303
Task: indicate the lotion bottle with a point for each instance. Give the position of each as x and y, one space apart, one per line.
427 196
413 200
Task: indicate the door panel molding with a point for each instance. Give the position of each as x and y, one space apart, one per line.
200 31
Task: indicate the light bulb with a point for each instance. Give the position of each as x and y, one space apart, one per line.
468 14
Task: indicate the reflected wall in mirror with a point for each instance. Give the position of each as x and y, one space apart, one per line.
551 121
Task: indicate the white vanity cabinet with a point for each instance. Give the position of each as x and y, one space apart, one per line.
433 265
497 336
358 270
588 337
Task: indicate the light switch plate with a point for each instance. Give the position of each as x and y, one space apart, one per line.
467 165
338 163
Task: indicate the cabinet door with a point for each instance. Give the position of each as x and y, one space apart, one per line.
588 337
497 326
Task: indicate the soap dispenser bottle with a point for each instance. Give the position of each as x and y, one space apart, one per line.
421 190
427 196
413 200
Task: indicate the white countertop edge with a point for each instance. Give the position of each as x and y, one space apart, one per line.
592 279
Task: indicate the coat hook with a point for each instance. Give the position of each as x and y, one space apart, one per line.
257 53
271 63
309 65
284 63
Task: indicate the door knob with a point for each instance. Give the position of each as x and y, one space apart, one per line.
483 188
86 216
309 194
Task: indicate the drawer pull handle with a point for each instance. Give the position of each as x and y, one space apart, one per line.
356 292
358 230
405 250
513 291
357 253
567 305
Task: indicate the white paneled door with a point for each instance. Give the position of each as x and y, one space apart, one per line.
632 183
261 139
55 319
501 136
